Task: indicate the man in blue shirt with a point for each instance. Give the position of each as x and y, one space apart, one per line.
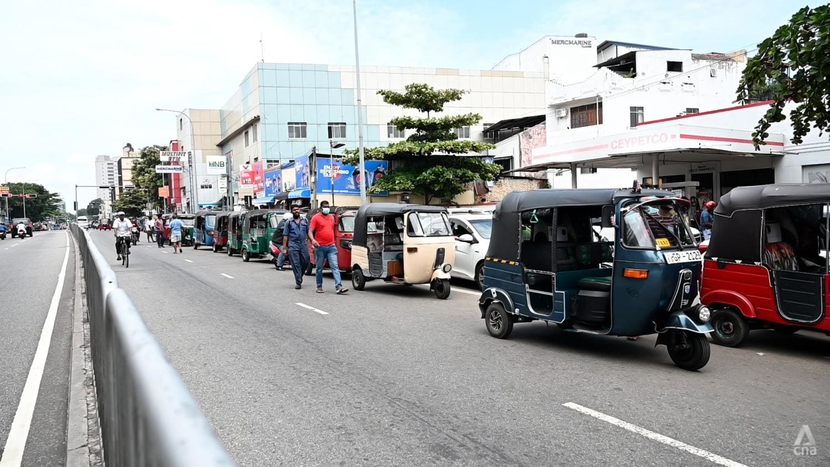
176 227
295 241
706 219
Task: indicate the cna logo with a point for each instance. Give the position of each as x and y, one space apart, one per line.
805 444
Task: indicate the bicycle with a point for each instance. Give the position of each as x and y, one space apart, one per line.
125 252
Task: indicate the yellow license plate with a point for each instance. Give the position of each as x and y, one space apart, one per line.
663 242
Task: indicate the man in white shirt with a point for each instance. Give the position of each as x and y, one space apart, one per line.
121 227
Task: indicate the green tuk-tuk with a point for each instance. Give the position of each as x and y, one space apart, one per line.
254 234
235 232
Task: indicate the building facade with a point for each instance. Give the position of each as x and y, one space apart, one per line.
282 111
199 130
124 169
106 174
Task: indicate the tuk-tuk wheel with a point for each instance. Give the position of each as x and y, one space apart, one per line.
245 255
441 287
195 246
215 249
499 324
309 270
729 327
230 251
479 276
694 355
358 279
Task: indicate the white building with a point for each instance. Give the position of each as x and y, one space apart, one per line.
106 174
199 130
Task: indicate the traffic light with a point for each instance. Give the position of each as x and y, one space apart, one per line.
29 195
6 195
76 206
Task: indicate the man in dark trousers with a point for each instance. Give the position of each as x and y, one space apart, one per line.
295 241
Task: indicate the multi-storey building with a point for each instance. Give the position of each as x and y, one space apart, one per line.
198 129
124 167
106 175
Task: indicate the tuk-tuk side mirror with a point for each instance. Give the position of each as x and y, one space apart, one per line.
607 216
466 238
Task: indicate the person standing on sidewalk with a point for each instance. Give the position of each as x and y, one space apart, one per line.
159 231
176 227
295 242
321 234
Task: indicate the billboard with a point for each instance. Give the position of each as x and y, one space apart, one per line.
246 176
347 178
258 179
302 173
273 182
216 165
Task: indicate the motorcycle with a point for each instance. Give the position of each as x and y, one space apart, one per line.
275 254
135 234
2 234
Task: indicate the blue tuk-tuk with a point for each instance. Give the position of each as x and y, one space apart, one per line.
602 261
203 228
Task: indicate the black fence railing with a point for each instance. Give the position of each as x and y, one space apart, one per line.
147 415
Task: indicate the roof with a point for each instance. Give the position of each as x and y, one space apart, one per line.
605 44
629 57
519 122
260 212
771 196
379 209
537 199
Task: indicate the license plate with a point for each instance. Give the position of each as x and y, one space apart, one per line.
687 256
663 242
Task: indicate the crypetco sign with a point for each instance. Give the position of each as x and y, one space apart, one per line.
641 141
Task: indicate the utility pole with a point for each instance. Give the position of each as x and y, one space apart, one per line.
312 164
362 166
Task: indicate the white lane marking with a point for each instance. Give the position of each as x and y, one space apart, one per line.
163 251
655 436
19 433
189 261
229 277
16 244
308 307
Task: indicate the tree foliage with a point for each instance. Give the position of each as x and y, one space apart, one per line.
434 163
793 65
144 173
45 205
132 202
94 207
81 212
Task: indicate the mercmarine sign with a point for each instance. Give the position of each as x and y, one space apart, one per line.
579 42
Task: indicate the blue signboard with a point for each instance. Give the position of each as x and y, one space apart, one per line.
347 177
273 183
302 172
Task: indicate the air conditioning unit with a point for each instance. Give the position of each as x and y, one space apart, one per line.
561 113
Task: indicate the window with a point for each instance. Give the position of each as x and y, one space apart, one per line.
247 139
637 116
393 132
463 132
180 124
713 72
676 67
656 224
587 170
586 115
337 130
428 224
254 133
297 130
489 134
692 110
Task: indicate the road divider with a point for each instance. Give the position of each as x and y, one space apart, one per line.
309 307
654 436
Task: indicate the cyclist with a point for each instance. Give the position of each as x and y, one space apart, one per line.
121 227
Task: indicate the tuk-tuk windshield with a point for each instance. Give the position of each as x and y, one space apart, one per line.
346 223
188 222
657 224
210 222
428 224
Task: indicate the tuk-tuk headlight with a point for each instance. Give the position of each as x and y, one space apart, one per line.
703 314
447 267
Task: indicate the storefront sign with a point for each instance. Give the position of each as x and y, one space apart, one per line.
169 169
580 42
164 192
206 184
174 156
223 184
641 141
703 168
246 176
216 165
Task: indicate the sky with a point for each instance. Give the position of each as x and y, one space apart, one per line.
82 78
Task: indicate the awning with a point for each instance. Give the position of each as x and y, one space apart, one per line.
297 194
281 196
263 200
217 203
521 122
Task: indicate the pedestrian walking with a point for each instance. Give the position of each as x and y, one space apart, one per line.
148 227
176 227
159 227
321 234
295 241
277 238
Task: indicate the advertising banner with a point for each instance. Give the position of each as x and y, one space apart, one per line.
258 179
164 192
302 172
347 178
289 178
216 165
246 176
273 182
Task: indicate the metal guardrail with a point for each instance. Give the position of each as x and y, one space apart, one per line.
147 415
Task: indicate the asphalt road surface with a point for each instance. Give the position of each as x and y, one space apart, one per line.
393 376
31 269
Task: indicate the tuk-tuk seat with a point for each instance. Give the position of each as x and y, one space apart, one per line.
599 284
591 255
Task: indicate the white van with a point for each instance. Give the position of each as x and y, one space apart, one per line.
83 222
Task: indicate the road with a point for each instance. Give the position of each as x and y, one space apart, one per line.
31 270
394 376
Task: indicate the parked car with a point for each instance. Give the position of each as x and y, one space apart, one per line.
471 228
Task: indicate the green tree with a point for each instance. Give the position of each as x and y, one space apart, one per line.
132 202
433 158
81 212
94 207
793 65
43 205
144 173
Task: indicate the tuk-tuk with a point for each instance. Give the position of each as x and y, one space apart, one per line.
766 265
344 217
235 232
220 231
188 221
548 261
255 238
203 228
403 244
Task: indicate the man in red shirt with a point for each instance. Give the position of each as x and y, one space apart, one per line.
321 234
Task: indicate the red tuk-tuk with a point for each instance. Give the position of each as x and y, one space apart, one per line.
343 232
766 265
220 231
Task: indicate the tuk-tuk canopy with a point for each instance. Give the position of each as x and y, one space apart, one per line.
737 231
385 209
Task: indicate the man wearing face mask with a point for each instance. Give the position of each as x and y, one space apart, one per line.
321 234
295 242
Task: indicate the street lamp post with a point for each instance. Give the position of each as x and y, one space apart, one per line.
6 178
362 166
194 201
332 146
